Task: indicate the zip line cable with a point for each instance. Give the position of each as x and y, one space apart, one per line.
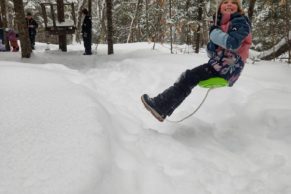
199 106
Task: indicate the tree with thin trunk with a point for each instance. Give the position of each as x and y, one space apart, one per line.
187 30
102 19
199 29
287 20
171 26
79 22
4 22
22 29
61 18
251 9
133 20
147 18
90 7
157 35
109 26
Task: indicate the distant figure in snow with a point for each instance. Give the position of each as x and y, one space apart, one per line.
32 26
228 49
2 46
87 32
12 37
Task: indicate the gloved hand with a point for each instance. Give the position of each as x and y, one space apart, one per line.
85 35
211 49
211 46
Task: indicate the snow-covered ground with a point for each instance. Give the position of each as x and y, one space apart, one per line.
74 124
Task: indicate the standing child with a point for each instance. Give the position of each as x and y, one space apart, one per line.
32 26
87 32
227 49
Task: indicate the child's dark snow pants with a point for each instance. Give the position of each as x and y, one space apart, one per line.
171 98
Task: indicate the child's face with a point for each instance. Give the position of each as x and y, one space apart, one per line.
229 6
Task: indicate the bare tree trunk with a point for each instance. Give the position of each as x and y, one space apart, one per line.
133 21
22 28
147 19
158 34
251 9
61 18
171 27
79 22
187 31
90 7
102 18
109 26
273 28
199 29
287 30
4 23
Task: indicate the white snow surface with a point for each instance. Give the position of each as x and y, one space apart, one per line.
74 124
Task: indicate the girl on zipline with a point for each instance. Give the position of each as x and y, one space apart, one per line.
228 49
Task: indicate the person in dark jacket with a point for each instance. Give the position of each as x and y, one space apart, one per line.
87 32
228 49
32 26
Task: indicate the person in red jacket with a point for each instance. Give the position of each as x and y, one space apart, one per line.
228 49
12 37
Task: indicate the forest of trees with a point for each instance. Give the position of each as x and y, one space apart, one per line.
160 21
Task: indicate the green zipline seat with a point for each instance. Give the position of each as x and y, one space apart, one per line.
215 82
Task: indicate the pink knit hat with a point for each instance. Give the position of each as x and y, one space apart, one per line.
240 8
238 1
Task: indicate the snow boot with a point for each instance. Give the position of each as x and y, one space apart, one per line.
166 102
151 106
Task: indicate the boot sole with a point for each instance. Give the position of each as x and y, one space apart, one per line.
154 113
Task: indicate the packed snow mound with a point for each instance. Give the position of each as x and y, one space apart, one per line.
52 134
75 124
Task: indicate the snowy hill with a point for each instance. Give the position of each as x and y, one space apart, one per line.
74 124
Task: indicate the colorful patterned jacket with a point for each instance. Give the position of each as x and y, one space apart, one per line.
229 46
